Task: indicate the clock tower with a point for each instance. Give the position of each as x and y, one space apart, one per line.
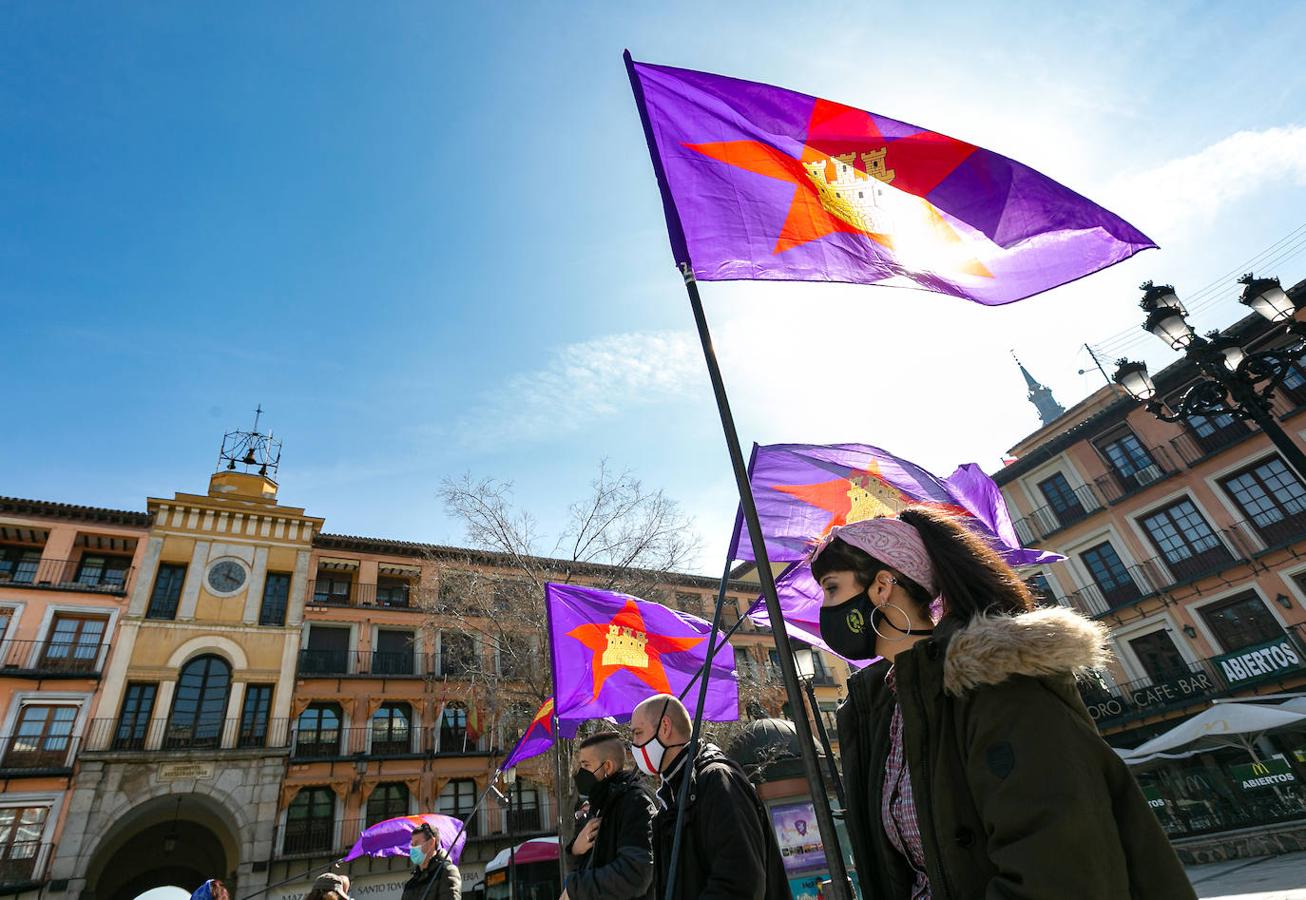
203 670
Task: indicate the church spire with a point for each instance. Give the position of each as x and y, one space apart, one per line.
1048 408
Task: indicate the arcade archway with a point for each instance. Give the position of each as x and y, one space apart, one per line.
171 840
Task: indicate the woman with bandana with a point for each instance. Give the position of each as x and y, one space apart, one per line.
971 764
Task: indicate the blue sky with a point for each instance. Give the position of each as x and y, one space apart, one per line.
426 237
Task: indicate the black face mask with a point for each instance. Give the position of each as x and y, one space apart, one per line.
586 782
847 627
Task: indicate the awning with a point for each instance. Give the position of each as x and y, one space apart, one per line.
1234 725
541 849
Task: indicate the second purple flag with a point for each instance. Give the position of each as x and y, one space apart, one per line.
804 490
610 651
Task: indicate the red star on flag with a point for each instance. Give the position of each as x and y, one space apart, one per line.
648 668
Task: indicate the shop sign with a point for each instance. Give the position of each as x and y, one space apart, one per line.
381 886
177 771
796 832
1267 773
1176 690
1271 658
1154 798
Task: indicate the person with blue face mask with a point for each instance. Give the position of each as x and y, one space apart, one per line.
435 876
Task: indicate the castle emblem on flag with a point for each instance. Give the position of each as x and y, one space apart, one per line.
626 647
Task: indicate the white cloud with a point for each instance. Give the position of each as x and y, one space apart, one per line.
584 383
1193 190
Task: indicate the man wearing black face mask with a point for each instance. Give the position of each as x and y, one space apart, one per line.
614 851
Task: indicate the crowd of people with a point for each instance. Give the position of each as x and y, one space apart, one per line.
971 766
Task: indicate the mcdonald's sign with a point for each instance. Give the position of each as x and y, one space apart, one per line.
1264 774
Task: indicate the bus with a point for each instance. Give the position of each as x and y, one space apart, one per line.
528 871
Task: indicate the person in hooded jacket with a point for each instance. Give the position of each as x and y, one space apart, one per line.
434 877
728 850
614 849
971 765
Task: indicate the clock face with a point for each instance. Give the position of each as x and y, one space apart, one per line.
226 576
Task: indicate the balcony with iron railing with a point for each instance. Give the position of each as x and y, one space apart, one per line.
386 741
37 755
1235 545
164 736
1116 485
337 593
22 865
364 663
1281 658
1046 521
68 575
323 837
50 659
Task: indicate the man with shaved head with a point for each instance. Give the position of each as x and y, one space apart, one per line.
728 849
614 851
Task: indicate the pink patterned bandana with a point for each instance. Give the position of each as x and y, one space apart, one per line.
891 541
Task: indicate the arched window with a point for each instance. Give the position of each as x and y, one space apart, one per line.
453 728
311 821
387 802
457 799
317 731
200 704
392 730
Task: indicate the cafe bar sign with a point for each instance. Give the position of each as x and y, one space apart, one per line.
1275 657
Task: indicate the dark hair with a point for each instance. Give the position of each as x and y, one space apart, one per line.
426 829
972 577
602 737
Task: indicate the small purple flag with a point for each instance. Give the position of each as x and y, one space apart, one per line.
536 739
393 836
804 490
610 651
760 182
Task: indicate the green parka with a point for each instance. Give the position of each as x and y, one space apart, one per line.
1016 794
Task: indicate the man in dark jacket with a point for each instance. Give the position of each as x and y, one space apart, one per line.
436 877
614 849
728 849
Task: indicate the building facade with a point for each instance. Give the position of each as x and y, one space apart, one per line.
216 688
1188 540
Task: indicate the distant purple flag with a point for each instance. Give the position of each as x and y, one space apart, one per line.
760 182
610 651
536 739
804 490
393 836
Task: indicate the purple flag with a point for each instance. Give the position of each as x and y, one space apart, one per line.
393 836
759 182
536 739
804 490
610 651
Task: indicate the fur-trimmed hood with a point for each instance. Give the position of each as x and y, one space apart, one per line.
1046 641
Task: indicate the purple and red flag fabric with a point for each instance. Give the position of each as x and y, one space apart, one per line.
393 836
536 739
610 651
804 490
760 182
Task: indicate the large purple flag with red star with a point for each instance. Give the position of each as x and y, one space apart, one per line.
759 182
610 651
804 490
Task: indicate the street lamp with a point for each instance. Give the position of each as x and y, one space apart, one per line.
1237 383
805 665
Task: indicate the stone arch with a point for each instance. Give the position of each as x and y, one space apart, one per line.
130 855
210 643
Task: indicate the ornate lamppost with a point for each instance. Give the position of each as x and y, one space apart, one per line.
1235 382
